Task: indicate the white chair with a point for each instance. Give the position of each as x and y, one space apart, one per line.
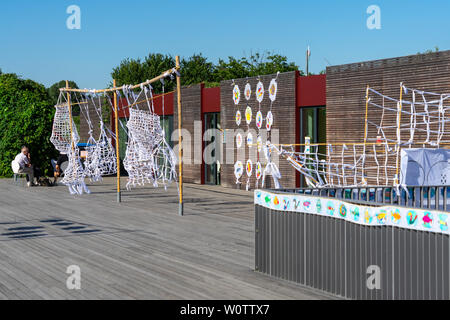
17 175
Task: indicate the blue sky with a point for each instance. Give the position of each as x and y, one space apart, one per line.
35 42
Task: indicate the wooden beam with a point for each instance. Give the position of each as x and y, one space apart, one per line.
163 75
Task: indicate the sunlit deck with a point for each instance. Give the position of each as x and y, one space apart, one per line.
140 249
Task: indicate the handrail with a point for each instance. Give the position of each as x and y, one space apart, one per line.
421 197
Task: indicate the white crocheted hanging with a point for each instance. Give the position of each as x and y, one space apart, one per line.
61 129
74 174
149 159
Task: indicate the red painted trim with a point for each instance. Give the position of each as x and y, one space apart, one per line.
297 141
311 91
157 104
168 104
210 99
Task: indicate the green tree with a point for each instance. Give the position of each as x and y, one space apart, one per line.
436 49
134 71
255 65
54 92
197 69
231 69
26 116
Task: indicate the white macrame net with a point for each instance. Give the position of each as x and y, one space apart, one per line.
101 158
74 174
419 119
149 158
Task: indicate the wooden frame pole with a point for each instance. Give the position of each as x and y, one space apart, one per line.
116 125
366 129
399 131
162 76
180 144
70 117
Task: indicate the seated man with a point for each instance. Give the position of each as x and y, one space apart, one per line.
58 170
23 159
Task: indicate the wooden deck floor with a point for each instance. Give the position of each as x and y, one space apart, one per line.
140 249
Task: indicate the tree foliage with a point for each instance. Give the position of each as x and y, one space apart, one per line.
197 69
54 92
133 71
255 65
26 116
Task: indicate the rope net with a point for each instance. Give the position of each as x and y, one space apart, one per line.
418 119
148 157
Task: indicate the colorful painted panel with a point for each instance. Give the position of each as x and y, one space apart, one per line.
417 219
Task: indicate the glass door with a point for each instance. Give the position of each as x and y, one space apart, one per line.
313 124
212 165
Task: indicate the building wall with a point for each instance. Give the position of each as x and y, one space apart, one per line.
284 112
84 127
346 86
346 89
191 121
293 92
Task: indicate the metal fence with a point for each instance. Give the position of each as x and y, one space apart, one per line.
339 257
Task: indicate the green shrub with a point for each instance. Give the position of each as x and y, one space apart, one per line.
26 117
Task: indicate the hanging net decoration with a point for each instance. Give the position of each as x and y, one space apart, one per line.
65 143
60 137
149 157
100 154
144 134
74 175
416 120
101 157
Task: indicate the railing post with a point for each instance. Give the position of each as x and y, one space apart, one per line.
421 197
445 198
429 198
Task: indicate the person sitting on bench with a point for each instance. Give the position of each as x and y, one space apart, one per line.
58 170
23 159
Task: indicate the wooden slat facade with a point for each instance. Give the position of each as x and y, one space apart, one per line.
191 123
284 114
346 88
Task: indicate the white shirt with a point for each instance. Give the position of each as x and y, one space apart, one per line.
22 160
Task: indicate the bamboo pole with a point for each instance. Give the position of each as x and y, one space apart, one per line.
163 75
399 116
116 124
332 144
70 117
180 144
366 125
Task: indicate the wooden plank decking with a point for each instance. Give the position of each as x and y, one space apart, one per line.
140 249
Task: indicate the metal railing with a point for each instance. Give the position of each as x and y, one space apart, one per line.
430 197
339 257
